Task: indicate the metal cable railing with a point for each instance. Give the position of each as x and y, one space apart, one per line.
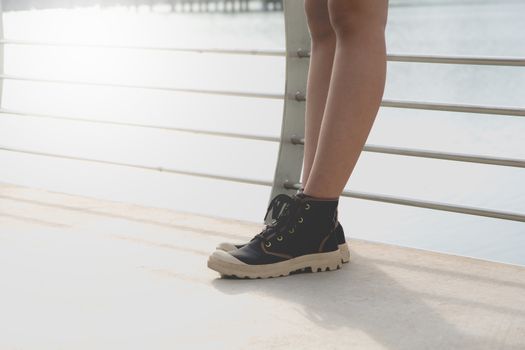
442 59
460 157
462 209
290 153
141 125
250 52
140 166
145 87
299 96
519 163
450 107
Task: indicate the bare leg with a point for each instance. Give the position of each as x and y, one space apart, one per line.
321 58
355 92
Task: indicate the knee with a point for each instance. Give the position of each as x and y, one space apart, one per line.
318 20
350 17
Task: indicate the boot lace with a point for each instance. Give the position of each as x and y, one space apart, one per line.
279 208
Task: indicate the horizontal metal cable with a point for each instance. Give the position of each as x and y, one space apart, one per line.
499 161
468 60
445 107
429 205
144 167
520 112
146 87
147 47
440 59
460 157
140 125
463 60
451 107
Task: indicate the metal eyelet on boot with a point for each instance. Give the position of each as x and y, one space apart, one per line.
300 219
268 244
307 206
279 238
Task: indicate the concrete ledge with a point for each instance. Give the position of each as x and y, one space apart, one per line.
82 273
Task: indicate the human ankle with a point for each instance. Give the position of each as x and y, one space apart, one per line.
319 197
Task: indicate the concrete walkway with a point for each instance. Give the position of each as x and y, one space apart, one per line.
80 273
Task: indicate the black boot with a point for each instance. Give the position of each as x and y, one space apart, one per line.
277 214
304 239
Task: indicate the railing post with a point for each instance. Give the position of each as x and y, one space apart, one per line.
290 158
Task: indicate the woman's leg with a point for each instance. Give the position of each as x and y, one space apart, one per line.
355 92
321 58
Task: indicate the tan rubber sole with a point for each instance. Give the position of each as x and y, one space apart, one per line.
343 250
227 265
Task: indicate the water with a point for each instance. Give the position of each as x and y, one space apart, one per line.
489 29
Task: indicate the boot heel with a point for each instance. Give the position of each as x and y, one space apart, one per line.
345 252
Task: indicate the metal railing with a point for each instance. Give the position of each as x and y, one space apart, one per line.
291 141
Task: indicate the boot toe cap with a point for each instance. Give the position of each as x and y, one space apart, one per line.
222 256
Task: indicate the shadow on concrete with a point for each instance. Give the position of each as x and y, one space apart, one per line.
362 296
